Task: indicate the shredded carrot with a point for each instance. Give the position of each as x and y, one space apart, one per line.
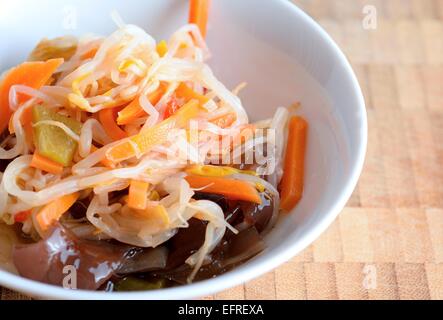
291 186
40 162
134 111
155 135
32 74
52 211
22 216
138 194
186 93
198 14
171 107
25 119
230 188
104 161
108 120
89 54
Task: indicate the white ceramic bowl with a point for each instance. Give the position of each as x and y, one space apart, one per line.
282 54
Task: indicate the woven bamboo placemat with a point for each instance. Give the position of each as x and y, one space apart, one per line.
388 241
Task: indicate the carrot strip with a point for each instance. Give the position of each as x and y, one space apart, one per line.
89 54
184 92
52 211
32 74
22 216
134 111
171 107
291 186
230 188
107 118
138 194
104 161
25 119
141 143
198 14
40 162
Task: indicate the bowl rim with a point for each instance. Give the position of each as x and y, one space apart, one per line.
240 275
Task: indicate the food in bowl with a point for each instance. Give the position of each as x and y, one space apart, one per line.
127 165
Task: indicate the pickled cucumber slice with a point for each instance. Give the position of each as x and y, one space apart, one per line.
51 141
62 47
135 284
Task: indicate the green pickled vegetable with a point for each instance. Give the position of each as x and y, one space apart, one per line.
51 141
136 284
62 47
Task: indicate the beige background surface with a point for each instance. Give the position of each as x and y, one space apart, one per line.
390 235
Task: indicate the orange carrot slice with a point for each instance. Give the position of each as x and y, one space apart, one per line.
138 194
198 14
230 188
32 74
107 118
186 93
40 162
291 186
89 54
26 122
51 212
25 119
104 161
171 107
134 111
22 216
143 142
